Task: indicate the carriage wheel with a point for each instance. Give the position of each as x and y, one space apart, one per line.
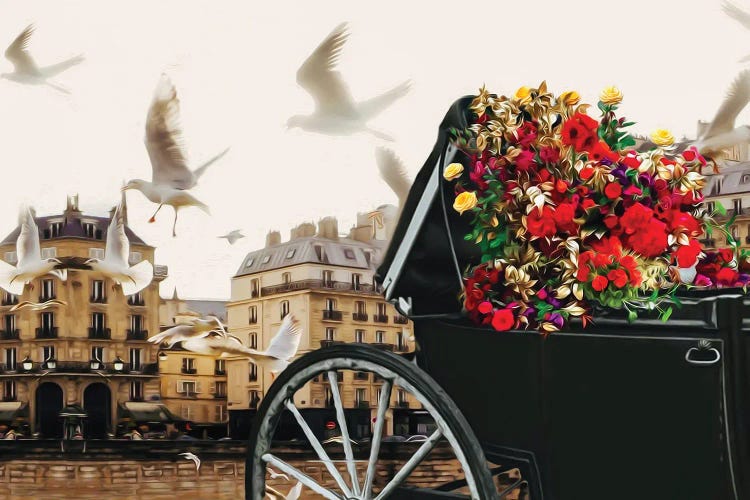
450 425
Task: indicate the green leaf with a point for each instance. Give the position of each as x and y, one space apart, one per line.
468 237
676 301
666 314
719 207
632 316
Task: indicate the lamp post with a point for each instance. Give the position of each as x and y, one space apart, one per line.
51 363
162 356
27 364
95 364
118 364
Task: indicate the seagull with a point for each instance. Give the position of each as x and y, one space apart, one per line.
26 70
741 16
276 475
293 494
199 328
339 440
233 236
30 264
116 254
336 112
36 306
194 458
721 133
171 177
276 358
394 174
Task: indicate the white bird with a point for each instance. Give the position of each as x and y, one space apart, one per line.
233 236
30 263
115 264
721 133
198 328
25 68
276 475
194 458
293 494
740 15
38 306
394 174
276 358
336 112
171 177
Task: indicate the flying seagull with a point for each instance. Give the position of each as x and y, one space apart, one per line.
37 306
276 475
336 112
721 133
233 236
394 174
30 263
115 264
194 458
740 15
198 328
293 494
276 358
25 68
171 177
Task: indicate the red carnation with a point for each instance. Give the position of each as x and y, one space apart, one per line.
549 154
727 276
650 240
503 319
599 283
541 225
635 217
579 131
726 254
687 255
525 160
485 307
586 173
526 134
563 215
613 190
618 277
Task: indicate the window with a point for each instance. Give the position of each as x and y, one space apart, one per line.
48 351
401 396
356 278
368 256
55 228
97 291
359 336
49 253
253 372
290 253
135 359
10 359
254 288
349 253
286 278
330 333
249 262
136 299
265 259
380 393
186 412
328 278
737 205
284 308
48 321
254 399
136 390
188 365
220 367
189 388
9 390
9 299
221 413
400 345
48 290
97 353
252 313
135 258
329 397
379 337
89 229
330 304
735 232
745 178
253 340
136 323
97 321
320 253
360 395
381 309
96 253
10 323
220 389
10 257
360 307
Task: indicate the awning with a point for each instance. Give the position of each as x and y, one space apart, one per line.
73 411
10 410
151 413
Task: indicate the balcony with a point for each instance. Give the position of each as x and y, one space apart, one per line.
160 272
359 316
402 404
46 332
255 293
98 299
361 376
380 318
330 343
331 315
100 333
220 372
9 299
400 320
218 395
136 301
401 347
383 346
44 297
189 371
319 284
137 334
362 404
9 334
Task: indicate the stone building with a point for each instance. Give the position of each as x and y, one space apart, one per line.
327 281
91 352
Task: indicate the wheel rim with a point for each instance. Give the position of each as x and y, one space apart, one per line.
356 487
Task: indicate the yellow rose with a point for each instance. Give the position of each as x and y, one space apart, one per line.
662 137
570 98
465 201
523 94
611 95
453 171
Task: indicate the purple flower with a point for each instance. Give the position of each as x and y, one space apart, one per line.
556 319
701 280
553 301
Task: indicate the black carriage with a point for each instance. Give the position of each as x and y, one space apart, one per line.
648 410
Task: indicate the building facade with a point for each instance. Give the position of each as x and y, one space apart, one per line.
327 281
91 352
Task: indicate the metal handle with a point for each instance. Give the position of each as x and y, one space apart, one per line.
717 357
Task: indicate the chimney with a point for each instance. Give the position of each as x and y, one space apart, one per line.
328 227
273 238
72 206
304 230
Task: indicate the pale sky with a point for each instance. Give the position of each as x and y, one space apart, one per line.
234 65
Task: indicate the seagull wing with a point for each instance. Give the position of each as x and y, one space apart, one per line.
318 76
285 343
164 140
140 276
295 492
372 107
18 54
393 173
117 247
176 334
232 346
8 281
28 248
739 15
737 98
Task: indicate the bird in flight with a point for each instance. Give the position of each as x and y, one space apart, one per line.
194 458
25 69
336 111
741 16
276 475
197 329
233 236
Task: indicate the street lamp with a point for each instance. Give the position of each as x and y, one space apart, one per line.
162 356
118 364
27 364
51 363
96 364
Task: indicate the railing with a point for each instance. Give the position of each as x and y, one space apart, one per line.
189 371
319 284
220 396
362 404
9 300
43 297
400 320
136 301
4 368
220 372
383 346
380 318
46 333
361 376
329 343
402 404
332 315
161 272
359 316
98 300
137 334
255 293
9 334
401 347
100 333
708 242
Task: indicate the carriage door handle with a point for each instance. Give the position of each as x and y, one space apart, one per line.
703 345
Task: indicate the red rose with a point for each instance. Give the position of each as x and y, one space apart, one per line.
611 221
563 215
686 222
631 161
541 225
549 154
503 319
635 217
583 268
525 160
650 240
613 190
526 134
600 283
726 254
689 155
687 255
588 203
485 307
618 277
561 186
727 276
586 173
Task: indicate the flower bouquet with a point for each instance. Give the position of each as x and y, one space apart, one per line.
569 215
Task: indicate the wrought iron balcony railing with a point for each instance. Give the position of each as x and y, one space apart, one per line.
380 318
189 371
329 343
100 333
98 299
331 315
9 334
359 316
319 284
362 404
400 320
46 332
9 299
137 334
383 346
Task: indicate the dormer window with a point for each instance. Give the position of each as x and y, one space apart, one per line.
265 259
55 229
249 262
290 253
89 229
349 253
